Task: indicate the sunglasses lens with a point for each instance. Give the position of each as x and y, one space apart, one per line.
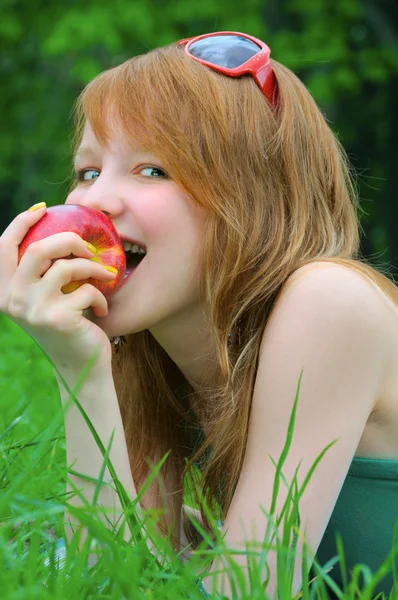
230 51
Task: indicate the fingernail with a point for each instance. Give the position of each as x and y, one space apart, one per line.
37 206
111 269
90 247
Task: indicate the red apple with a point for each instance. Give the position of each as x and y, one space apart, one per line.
92 226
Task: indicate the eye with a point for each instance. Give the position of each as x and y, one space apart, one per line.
84 175
157 172
81 174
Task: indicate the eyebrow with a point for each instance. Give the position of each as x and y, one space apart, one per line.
83 151
87 151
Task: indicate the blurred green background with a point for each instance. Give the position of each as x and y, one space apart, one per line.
345 51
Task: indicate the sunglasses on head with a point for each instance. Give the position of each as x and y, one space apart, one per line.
234 54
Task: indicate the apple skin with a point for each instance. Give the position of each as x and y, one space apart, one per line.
92 226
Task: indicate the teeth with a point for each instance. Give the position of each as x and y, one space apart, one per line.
128 247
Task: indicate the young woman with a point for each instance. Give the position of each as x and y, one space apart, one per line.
216 160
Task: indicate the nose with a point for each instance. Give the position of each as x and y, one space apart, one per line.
99 206
106 194
103 200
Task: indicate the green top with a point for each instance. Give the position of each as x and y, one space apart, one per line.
364 515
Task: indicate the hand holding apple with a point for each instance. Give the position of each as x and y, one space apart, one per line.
31 280
93 227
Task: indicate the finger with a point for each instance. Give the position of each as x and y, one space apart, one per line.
39 256
85 297
13 235
63 271
19 227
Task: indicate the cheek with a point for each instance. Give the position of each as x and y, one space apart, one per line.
163 218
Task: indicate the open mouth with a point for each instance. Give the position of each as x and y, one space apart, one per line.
131 267
133 260
134 255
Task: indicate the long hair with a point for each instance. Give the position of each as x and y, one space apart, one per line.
279 194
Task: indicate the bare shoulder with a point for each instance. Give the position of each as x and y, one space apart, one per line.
331 305
332 274
341 284
329 296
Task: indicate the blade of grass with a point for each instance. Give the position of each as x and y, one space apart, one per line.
314 466
22 445
304 593
102 470
10 427
322 578
286 447
283 456
341 554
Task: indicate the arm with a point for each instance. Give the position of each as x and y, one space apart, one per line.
329 324
99 400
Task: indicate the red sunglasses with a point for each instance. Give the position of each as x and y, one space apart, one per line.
234 54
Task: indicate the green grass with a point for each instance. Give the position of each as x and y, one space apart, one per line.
33 500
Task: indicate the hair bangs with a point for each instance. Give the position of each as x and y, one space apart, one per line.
185 114
152 100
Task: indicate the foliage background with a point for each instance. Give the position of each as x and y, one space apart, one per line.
346 51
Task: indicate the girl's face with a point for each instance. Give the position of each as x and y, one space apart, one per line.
132 188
